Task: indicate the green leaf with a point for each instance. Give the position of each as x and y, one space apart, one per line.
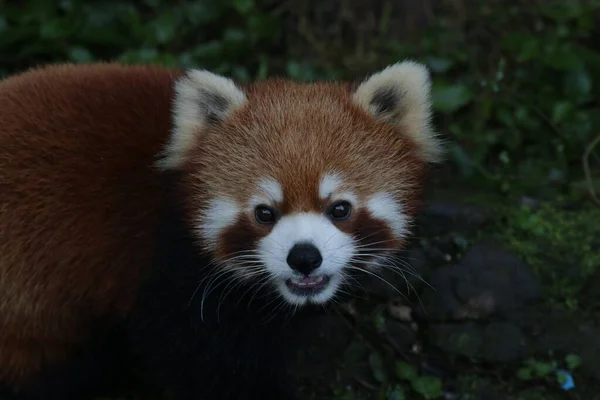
405 371
243 6
561 57
430 387
562 11
209 50
3 24
185 60
573 360
202 13
294 70
263 69
561 377
561 110
439 64
164 27
377 367
240 73
80 54
462 159
543 369
396 392
143 55
524 374
356 352
235 36
301 72
379 321
265 26
450 98
578 84
55 29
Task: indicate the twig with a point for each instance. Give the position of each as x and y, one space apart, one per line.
585 159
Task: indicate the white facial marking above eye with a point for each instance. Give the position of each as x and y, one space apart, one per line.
269 191
220 213
337 249
271 188
330 182
383 206
329 186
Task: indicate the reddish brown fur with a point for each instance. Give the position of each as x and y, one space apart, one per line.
372 232
77 201
243 235
317 123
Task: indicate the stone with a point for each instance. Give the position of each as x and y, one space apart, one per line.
438 217
400 335
488 280
397 310
464 339
504 342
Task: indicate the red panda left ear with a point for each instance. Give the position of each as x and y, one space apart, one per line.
201 99
400 95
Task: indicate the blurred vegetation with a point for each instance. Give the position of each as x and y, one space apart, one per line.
515 83
516 91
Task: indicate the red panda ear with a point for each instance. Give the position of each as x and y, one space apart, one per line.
400 95
201 99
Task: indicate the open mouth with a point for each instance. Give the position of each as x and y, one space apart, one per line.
308 285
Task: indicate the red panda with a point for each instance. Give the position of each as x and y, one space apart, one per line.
193 215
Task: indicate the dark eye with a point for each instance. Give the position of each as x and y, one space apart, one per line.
340 210
264 215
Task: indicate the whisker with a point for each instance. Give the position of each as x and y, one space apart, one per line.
378 277
257 286
265 283
209 287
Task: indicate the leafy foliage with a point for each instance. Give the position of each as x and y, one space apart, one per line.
515 92
514 83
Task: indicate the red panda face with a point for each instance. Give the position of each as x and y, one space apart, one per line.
295 185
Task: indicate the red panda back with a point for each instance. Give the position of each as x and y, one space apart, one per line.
78 200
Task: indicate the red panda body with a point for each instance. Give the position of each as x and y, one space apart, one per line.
83 196
78 203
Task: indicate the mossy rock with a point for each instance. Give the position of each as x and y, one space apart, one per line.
559 243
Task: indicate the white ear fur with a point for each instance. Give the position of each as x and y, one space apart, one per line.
201 99
400 95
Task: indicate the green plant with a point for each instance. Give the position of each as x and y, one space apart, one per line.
427 386
548 370
557 242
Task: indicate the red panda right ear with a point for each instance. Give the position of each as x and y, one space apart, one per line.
400 95
201 99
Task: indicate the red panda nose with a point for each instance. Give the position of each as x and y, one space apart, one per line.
304 258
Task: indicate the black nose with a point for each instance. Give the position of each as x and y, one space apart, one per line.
304 258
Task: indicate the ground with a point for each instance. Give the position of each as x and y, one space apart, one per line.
504 297
501 301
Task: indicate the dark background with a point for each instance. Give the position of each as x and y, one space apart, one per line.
511 236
